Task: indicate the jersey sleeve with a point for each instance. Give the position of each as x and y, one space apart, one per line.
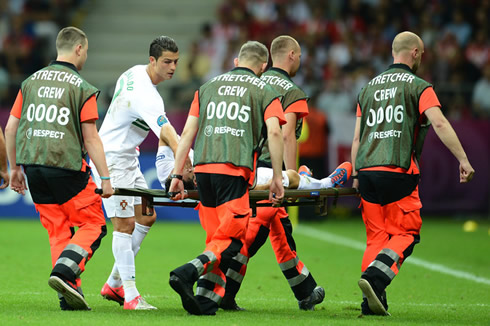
358 110
428 99
89 110
299 107
17 107
194 111
275 110
152 111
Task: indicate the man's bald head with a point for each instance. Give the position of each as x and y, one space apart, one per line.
408 48
405 41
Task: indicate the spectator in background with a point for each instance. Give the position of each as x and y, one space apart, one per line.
334 99
481 95
313 144
478 49
460 28
4 84
223 31
326 28
194 66
28 30
299 11
18 48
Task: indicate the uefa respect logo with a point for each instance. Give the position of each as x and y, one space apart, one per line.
370 137
29 133
208 131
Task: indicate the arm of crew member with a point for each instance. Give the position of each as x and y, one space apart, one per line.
95 149
4 175
276 147
290 143
448 136
169 137
17 179
354 149
185 143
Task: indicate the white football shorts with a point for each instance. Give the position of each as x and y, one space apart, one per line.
127 177
264 176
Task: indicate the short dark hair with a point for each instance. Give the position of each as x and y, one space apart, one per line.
68 37
162 43
254 52
188 184
281 45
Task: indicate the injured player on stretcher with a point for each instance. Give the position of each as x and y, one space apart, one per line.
291 179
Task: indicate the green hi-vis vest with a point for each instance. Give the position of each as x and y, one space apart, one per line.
49 132
291 93
391 126
231 118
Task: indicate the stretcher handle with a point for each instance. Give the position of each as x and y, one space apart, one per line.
98 191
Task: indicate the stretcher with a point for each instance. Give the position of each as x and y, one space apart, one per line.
317 198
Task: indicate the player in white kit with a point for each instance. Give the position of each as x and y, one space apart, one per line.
135 109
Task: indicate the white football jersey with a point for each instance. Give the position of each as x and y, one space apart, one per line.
135 109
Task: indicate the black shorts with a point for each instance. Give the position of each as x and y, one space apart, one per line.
217 189
49 185
380 187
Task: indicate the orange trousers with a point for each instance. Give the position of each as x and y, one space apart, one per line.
84 211
270 217
393 226
274 223
223 225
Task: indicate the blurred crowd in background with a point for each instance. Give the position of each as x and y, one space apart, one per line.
28 30
344 44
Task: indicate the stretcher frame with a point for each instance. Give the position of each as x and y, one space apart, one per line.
314 197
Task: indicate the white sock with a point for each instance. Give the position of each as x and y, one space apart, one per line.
114 279
327 183
124 256
306 182
139 233
130 290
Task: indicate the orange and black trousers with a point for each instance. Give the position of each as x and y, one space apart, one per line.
66 200
272 223
390 206
224 211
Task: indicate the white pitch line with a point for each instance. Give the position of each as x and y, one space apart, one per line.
340 240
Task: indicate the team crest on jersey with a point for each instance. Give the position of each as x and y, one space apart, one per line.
162 120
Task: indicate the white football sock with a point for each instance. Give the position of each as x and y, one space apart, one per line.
327 183
114 279
139 233
124 256
306 182
130 290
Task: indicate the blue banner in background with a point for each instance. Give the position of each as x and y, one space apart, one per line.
15 205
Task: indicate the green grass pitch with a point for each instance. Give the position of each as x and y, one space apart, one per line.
447 283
